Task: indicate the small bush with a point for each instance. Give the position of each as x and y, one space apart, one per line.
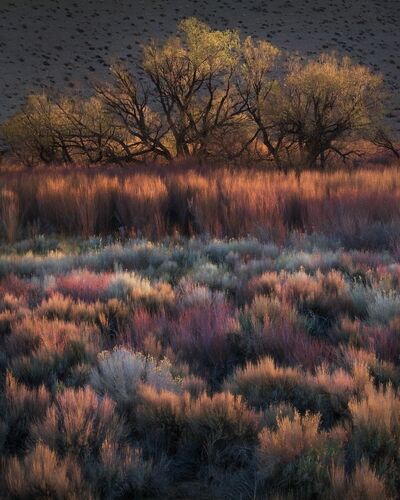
118 374
222 430
41 474
23 407
296 455
79 423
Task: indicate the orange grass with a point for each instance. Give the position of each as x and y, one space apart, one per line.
154 203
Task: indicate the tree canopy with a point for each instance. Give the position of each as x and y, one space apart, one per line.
207 93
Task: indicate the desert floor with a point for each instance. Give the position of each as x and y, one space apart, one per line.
64 44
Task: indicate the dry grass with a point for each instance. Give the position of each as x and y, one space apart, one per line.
220 202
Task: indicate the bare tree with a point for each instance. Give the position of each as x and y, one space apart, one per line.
92 134
128 104
381 137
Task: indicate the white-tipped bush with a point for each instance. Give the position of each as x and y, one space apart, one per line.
383 306
119 373
123 284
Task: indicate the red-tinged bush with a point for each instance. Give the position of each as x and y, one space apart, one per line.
83 285
358 208
274 328
123 472
9 214
142 331
290 345
26 291
383 341
136 198
201 337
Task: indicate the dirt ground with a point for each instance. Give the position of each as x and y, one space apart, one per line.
65 44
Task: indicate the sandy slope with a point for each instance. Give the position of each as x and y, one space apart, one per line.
66 43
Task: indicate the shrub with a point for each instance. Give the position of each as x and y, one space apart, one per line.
23 407
41 474
83 285
46 351
123 472
327 393
296 455
264 383
365 484
222 430
201 337
383 307
160 418
129 286
79 423
376 432
118 373
56 307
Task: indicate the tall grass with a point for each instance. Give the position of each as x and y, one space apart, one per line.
360 208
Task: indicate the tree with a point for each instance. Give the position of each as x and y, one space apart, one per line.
65 130
204 93
382 137
128 104
190 96
31 132
259 91
325 103
90 134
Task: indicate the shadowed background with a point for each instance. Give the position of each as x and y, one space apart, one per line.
64 45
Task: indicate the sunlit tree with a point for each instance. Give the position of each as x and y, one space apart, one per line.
189 96
326 103
206 93
259 90
31 133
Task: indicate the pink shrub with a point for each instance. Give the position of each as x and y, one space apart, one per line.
142 329
26 291
288 344
384 341
83 285
200 335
